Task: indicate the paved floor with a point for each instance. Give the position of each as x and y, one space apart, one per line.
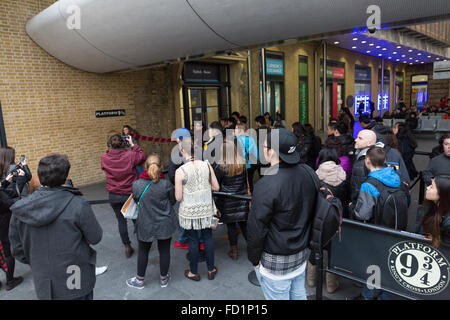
230 283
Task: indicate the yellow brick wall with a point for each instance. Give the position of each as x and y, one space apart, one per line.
49 106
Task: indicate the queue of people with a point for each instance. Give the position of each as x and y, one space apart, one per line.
55 226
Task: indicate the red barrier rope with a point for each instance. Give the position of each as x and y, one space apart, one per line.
144 138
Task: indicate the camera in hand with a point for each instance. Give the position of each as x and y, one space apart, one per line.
15 171
125 141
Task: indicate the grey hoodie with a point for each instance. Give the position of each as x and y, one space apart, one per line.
52 230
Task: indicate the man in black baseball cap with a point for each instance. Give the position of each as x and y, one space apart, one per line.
280 219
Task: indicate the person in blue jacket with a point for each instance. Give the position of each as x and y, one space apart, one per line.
249 149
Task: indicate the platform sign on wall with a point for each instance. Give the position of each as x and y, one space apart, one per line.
109 113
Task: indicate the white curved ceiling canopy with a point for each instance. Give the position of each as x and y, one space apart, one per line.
126 34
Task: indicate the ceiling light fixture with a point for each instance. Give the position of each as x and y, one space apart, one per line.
398 47
395 52
364 41
336 42
354 47
409 50
354 39
371 44
368 51
384 49
419 54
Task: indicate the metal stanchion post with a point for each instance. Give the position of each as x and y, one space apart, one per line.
319 285
421 189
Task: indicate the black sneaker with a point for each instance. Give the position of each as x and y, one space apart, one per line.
13 283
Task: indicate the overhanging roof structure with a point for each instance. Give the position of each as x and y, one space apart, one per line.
131 34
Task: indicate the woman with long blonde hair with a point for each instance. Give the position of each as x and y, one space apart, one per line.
157 220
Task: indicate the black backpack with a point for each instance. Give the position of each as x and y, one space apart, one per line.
391 209
327 217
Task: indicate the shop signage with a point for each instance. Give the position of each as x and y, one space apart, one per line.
201 72
362 74
303 101
333 72
338 73
303 69
385 101
405 263
274 67
109 113
365 98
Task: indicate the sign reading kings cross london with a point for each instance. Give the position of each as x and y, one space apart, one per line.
419 268
407 263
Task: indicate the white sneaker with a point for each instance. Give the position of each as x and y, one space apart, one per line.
100 270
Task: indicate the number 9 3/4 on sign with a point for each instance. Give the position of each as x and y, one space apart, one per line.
418 267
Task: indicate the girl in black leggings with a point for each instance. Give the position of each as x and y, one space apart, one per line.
156 220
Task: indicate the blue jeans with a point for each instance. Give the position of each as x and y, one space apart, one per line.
372 294
292 289
184 238
194 249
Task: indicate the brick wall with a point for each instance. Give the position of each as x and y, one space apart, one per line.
49 106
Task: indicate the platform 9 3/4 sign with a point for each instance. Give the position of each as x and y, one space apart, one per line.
418 268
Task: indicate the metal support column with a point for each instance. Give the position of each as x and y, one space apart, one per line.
325 100
249 61
382 85
264 89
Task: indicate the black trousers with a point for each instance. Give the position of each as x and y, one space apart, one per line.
164 257
9 260
232 231
122 222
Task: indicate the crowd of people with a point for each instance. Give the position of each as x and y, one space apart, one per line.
53 227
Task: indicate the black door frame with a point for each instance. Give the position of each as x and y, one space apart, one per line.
220 87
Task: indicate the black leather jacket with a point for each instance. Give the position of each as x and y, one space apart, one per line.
232 210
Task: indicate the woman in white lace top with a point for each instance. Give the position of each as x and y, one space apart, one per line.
193 184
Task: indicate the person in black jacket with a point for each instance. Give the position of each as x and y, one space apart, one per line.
232 178
14 178
406 145
333 178
52 230
347 140
439 165
7 199
280 220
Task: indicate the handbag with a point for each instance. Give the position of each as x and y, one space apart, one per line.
130 209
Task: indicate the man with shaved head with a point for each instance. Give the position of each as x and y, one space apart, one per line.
364 140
